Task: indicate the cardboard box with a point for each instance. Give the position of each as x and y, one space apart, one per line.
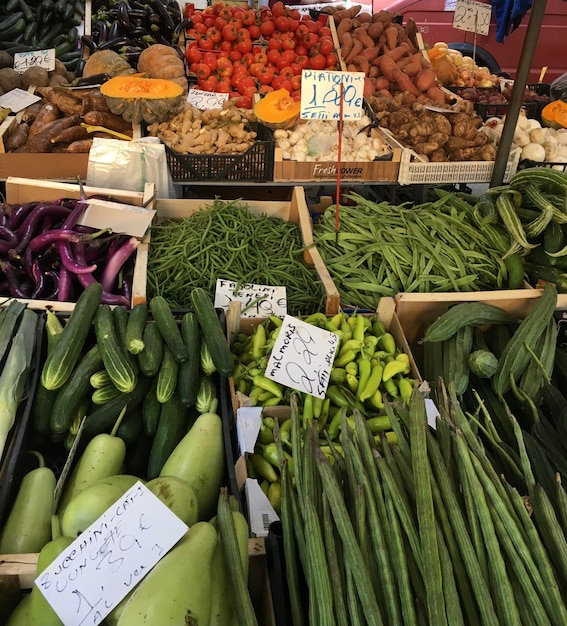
50 165
17 573
293 210
416 311
22 190
327 171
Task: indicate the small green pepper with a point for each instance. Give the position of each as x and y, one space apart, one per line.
337 397
351 368
343 359
265 435
258 342
307 410
373 382
317 407
338 375
378 424
378 328
392 368
263 467
405 385
351 344
364 371
352 382
388 343
359 328
375 400
268 385
390 387
317 319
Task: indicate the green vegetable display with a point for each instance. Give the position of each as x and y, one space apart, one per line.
225 240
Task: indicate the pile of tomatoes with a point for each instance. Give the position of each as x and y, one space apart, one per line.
242 51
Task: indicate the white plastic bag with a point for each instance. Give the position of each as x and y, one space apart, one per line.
129 165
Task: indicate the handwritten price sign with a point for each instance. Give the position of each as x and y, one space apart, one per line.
35 58
256 300
88 579
321 94
205 100
472 16
302 357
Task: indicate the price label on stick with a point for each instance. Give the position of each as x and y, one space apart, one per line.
256 300
472 16
106 561
321 94
205 100
302 357
35 58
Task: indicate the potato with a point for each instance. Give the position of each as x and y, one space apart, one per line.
37 76
9 79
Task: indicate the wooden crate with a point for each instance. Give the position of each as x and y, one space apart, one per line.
293 210
20 190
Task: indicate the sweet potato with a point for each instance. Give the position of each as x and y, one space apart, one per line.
425 79
345 26
362 33
346 45
387 66
354 10
341 15
374 72
364 17
357 47
375 30
412 68
370 53
397 53
391 37
369 88
404 82
437 95
381 82
383 16
361 63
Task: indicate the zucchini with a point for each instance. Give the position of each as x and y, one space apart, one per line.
135 328
172 427
212 330
69 398
168 327
151 408
115 362
61 361
167 376
102 418
150 357
188 379
553 238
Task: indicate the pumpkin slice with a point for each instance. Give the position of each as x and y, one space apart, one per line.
554 114
107 62
277 109
137 98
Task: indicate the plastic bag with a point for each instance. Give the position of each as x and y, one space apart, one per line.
558 89
129 165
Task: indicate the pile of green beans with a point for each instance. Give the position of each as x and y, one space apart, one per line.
224 240
383 249
427 531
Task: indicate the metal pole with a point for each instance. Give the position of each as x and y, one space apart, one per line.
515 104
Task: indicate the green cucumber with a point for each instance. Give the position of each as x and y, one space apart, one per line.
150 357
167 376
168 327
121 316
104 394
151 408
115 362
62 359
171 428
213 333
74 391
188 379
135 328
131 426
100 379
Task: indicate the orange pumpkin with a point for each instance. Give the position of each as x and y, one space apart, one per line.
277 109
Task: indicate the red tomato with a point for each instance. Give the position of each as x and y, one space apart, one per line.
245 83
207 85
332 61
273 55
282 23
297 69
223 86
289 55
310 40
225 13
313 26
302 60
220 23
211 59
327 45
235 55
301 50
229 33
292 25
193 54
296 95
324 31
278 9
266 75
243 102
318 62
288 43
287 72
255 69
236 23
225 68
200 28
283 83
301 30
197 18
206 43
217 6
244 45
261 57
209 21
296 82
226 46
265 88
294 14
247 59
243 33
248 17
282 62
203 70
275 43
255 31
267 28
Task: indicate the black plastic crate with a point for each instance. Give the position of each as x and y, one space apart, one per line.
256 164
527 163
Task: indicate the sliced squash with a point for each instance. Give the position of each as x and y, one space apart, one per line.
554 114
107 62
138 98
277 109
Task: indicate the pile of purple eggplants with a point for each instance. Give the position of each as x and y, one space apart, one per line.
46 255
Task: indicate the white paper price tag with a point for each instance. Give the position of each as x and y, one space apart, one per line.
472 16
255 300
248 422
18 99
205 100
321 94
432 412
302 357
107 560
35 58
